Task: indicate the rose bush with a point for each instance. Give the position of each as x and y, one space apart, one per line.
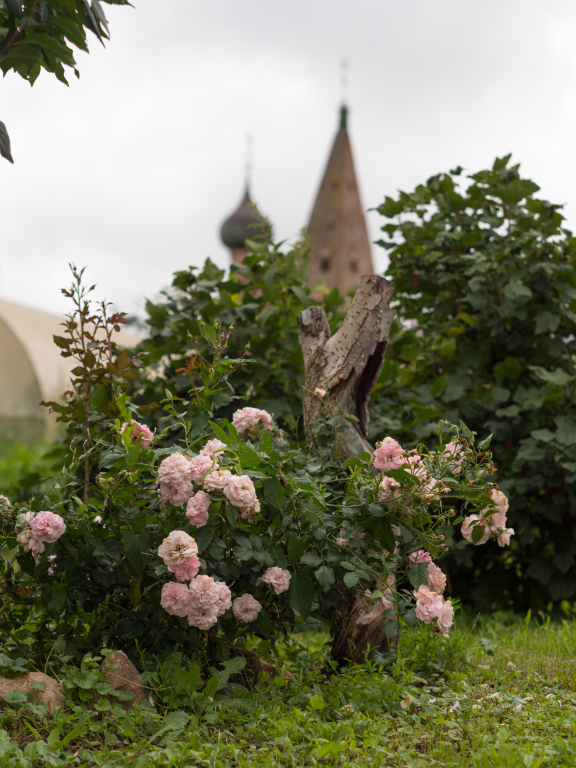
193 543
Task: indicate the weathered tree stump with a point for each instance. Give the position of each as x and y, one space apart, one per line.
347 366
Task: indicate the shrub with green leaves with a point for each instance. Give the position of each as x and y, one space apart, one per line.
227 529
259 300
485 276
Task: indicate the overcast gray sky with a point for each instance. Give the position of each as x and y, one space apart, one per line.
131 170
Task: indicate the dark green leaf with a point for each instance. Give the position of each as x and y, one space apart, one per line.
351 579
5 143
296 548
418 574
274 494
301 592
325 576
59 596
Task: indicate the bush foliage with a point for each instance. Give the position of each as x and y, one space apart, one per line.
329 524
485 275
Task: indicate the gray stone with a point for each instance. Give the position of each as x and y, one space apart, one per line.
52 696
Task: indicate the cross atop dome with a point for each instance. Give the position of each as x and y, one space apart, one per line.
246 223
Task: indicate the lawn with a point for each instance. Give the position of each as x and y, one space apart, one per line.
499 692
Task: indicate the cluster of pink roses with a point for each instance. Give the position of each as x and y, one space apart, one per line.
436 577
248 421
390 455
432 608
34 530
491 522
203 600
178 474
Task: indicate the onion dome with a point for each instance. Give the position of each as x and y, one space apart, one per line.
244 224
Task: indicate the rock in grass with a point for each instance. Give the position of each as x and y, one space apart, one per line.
122 675
52 696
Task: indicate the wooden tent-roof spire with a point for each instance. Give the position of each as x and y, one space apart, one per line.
340 248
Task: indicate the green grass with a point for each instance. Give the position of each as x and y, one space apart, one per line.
501 693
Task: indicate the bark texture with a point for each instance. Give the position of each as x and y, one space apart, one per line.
350 640
347 365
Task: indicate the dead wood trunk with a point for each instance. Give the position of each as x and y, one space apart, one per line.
347 366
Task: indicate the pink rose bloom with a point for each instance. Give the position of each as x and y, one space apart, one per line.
420 557
141 434
428 604
495 515
341 541
320 392
200 466
384 604
5 499
47 526
389 489
187 570
277 578
28 543
494 519
471 522
174 469
388 455
248 417
175 599
217 480
174 479
240 491
454 453
176 493
429 487
224 598
177 547
197 509
436 579
246 608
204 591
248 513
499 500
504 537
25 537
213 447
23 520
202 617
376 611
445 618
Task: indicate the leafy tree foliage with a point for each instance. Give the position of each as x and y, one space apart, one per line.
260 300
486 283
38 34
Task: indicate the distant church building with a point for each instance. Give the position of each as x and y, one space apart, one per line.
340 247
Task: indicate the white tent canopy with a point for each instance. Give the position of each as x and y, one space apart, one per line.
31 367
